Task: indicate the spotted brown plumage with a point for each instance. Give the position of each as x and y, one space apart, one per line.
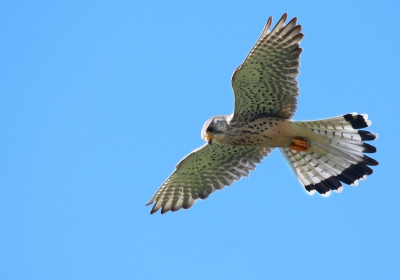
265 83
322 153
205 170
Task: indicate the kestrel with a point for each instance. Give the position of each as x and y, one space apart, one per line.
322 153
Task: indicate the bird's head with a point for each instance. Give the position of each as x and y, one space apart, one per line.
214 129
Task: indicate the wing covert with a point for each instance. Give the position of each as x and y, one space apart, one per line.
203 171
265 83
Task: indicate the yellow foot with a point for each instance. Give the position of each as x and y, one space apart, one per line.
299 144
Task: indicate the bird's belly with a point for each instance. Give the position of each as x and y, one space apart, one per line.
261 132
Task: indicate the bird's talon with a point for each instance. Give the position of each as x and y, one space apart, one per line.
300 144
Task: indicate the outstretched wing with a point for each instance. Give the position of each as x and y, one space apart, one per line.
202 172
265 83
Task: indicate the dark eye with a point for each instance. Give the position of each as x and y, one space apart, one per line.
210 129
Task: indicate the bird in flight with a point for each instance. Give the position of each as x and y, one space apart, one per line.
322 153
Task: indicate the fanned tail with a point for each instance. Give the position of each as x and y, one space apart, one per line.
338 158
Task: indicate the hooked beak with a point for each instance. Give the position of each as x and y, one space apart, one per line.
209 139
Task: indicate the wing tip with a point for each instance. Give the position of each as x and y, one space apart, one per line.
269 23
149 203
154 209
164 210
284 17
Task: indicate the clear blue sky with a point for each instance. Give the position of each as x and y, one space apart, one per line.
99 102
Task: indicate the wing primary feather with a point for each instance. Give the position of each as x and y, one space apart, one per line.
265 31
